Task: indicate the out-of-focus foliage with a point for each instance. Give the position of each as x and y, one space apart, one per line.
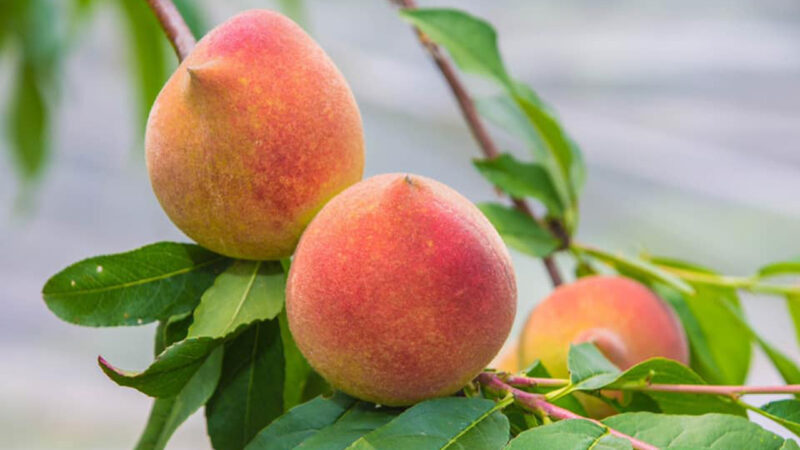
31 32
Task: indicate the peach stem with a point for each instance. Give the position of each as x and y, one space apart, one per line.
480 134
171 21
537 402
726 390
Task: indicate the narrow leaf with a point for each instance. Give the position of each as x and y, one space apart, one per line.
28 123
250 391
589 369
521 180
170 372
702 359
168 414
793 305
519 230
471 41
154 282
639 267
785 412
708 431
569 435
780 268
246 292
438 423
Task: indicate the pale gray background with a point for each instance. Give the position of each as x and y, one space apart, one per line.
688 113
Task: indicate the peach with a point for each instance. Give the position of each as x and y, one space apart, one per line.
254 132
400 290
623 318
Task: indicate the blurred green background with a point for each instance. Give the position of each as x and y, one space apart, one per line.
688 114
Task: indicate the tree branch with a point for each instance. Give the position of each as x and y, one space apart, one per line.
171 21
538 403
480 134
708 389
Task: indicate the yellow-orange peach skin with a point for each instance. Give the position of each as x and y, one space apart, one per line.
400 290
251 135
626 321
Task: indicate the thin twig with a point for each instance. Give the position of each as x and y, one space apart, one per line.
481 135
538 403
171 21
709 389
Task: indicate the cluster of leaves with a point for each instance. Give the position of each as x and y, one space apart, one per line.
663 419
556 174
222 338
222 341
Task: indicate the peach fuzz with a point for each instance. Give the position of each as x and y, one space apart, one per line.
400 290
623 318
251 135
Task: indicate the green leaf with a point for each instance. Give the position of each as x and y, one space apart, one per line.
638 267
168 414
780 268
439 423
521 180
519 230
569 435
727 336
171 370
702 359
785 412
717 312
667 371
297 369
154 282
246 292
730 310
148 53
250 391
302 422
28 123
793 305
588 368
471 41
718 431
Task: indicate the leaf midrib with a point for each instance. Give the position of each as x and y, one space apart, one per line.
243 298
133 283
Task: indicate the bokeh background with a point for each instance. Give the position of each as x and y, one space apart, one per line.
688 114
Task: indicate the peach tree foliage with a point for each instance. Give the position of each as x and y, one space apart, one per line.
222 342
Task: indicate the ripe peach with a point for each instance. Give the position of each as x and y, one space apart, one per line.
623 318
252 134
400 290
